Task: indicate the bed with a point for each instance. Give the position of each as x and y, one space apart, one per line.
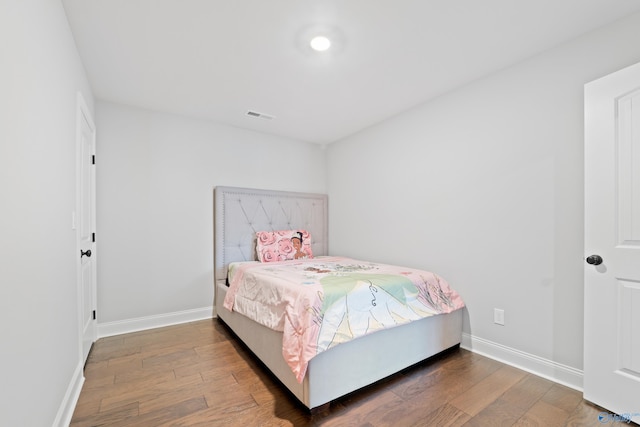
240 213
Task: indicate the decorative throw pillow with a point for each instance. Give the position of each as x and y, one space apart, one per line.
283 245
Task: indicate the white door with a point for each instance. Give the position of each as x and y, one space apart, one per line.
85 226
612 232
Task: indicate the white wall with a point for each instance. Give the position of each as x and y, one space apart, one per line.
485 186
40 74
155 175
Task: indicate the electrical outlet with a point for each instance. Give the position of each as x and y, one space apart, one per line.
498 316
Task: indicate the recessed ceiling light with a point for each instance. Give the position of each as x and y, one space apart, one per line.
320 43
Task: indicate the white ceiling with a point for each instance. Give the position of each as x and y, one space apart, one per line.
217 59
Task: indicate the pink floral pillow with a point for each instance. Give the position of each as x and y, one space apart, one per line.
283 245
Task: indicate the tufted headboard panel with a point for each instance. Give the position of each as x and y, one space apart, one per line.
241 212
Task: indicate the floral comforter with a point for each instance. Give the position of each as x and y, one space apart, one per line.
322 302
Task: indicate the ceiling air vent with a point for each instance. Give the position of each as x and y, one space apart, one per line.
260 115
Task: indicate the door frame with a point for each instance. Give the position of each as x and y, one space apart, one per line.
84 114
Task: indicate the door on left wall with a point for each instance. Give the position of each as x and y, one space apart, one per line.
85 225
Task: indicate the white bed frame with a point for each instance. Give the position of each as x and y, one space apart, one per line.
241 212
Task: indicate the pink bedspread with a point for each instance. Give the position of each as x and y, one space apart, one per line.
322 302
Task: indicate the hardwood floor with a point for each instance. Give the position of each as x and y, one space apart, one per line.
199 374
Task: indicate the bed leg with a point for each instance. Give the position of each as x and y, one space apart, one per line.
320 409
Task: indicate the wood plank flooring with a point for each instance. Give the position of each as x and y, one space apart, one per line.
199 374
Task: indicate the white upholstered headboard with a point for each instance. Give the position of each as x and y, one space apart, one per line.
241 212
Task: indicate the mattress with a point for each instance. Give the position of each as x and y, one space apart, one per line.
321 303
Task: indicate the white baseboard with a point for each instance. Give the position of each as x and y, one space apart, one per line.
557 372
68 405
150 322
